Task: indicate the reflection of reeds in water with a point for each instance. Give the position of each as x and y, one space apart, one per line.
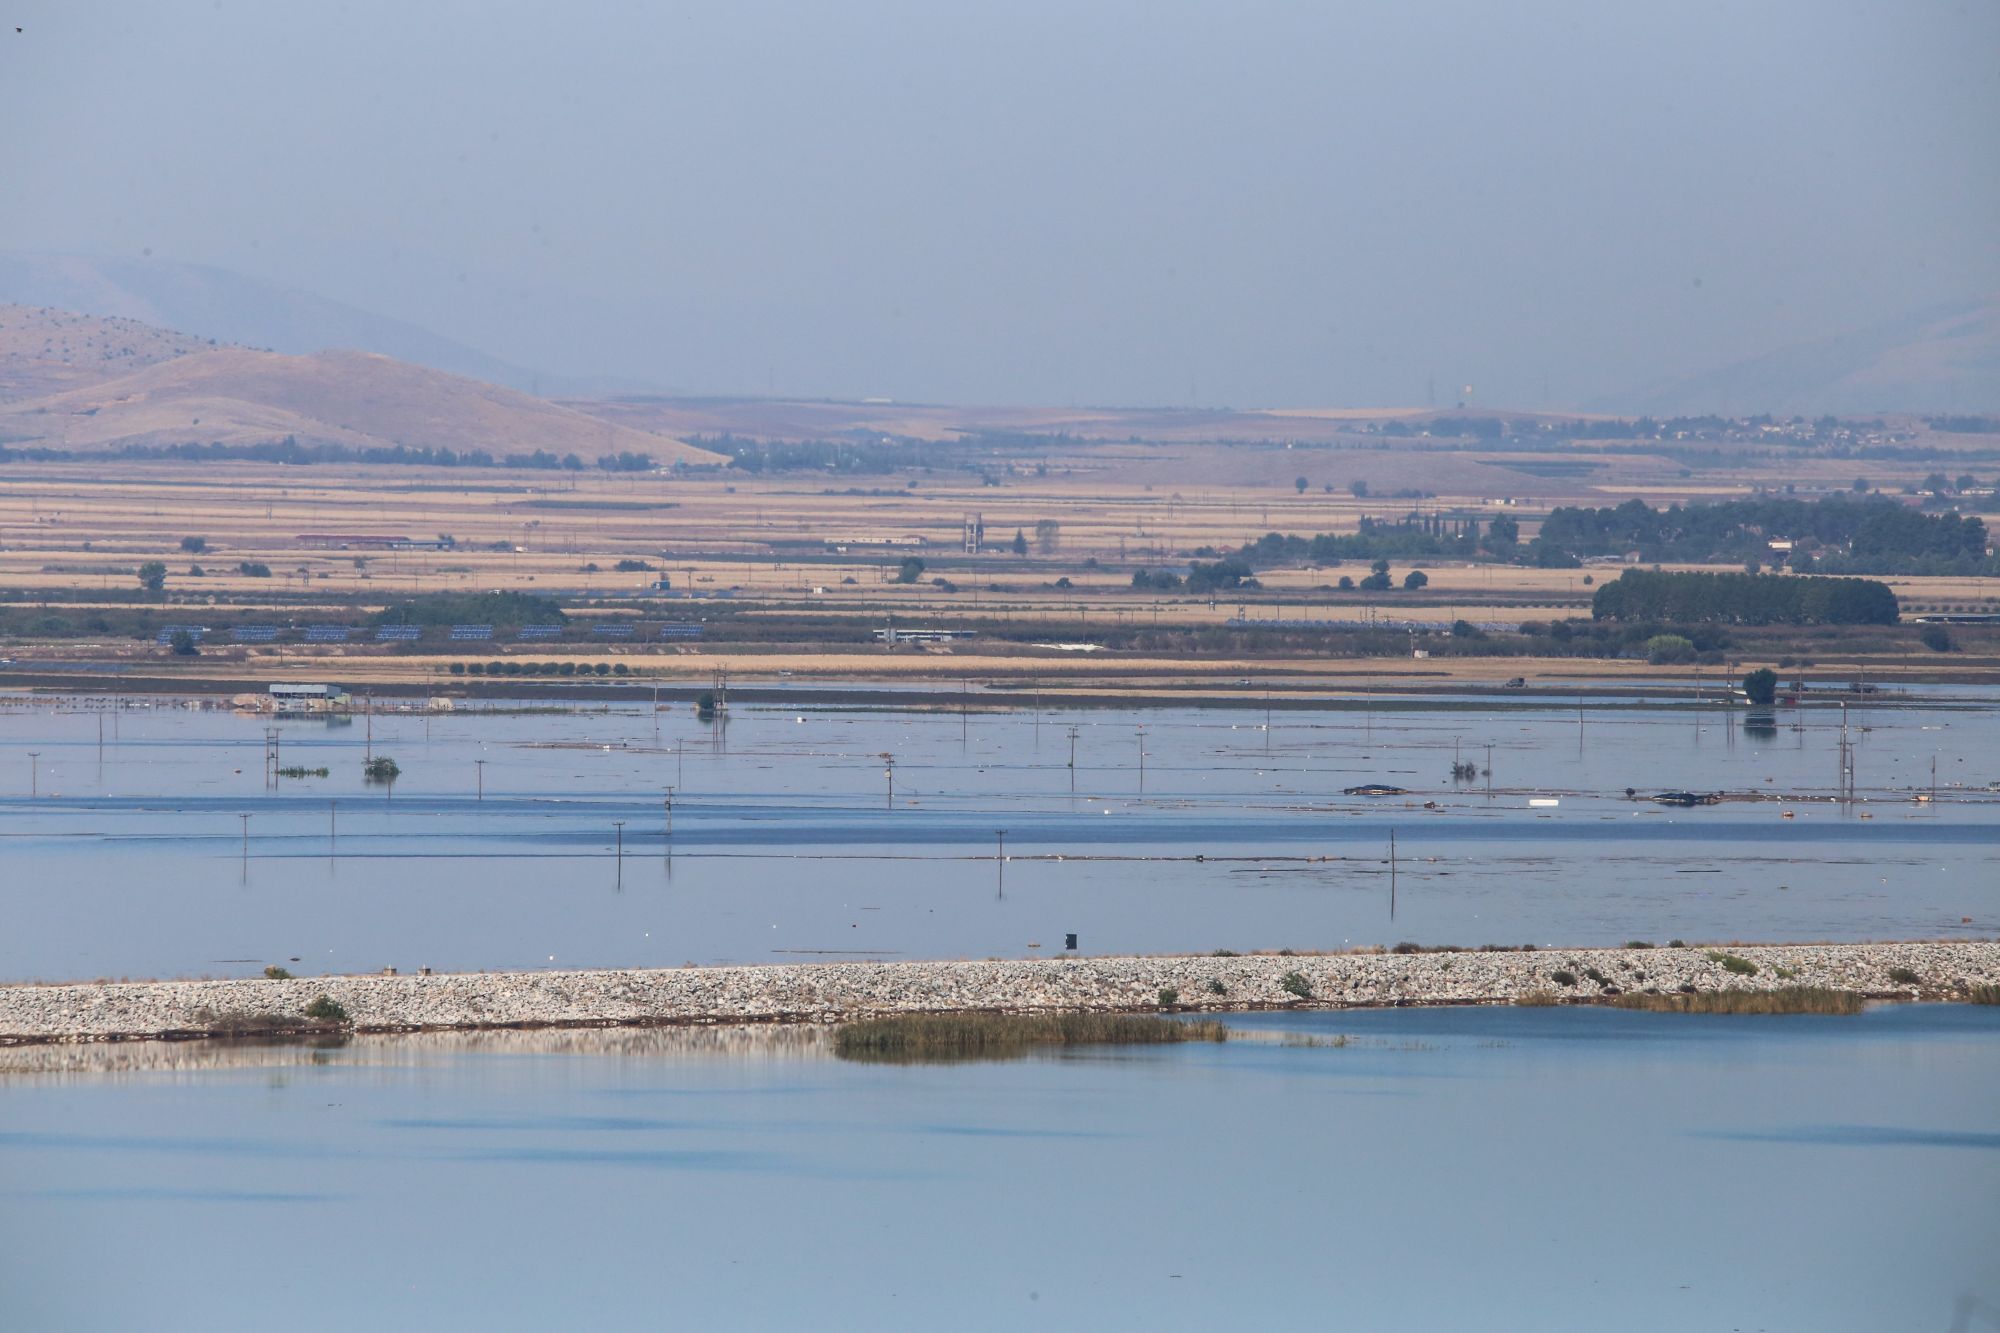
923 1038
739 1042
1785 1000
1985 992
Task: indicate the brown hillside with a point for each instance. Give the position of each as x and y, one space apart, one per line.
238 396
45 351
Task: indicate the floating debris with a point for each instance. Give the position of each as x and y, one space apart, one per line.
1688 798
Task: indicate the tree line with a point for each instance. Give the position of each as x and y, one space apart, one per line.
1743 599
1841 535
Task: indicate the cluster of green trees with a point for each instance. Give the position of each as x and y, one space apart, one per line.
850 457
1418 536
1874 535
1743 599
499 668
289 450
473 608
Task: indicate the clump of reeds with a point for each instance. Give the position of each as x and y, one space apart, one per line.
1784 1000
1983 992
1537 999
911 1038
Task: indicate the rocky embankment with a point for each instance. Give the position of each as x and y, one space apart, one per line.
827 992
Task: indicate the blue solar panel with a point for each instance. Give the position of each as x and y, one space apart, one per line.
254 633
612 631
540 632
399 633
680 630
166 635
471 633
327 633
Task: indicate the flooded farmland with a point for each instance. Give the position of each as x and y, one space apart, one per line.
523 839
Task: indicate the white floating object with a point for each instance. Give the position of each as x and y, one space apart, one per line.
1542 801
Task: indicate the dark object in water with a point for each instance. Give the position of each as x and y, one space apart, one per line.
1376 789
1069 940
1688 798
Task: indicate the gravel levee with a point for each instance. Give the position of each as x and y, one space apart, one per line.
828 992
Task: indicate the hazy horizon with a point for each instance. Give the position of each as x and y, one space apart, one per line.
1123 203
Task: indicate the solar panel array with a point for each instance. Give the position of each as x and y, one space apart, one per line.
166 634
611 631
399 633
680 629
327 633
471 633
254 633
540 632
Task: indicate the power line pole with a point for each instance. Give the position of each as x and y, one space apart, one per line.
1392 874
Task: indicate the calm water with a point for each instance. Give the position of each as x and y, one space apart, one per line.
132 859
1491 1168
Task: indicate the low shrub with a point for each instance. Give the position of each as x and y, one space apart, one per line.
1169 997
276 973
1215 987
1904 976
1293 983
1562 976
326 1009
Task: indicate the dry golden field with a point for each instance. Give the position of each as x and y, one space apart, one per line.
784 547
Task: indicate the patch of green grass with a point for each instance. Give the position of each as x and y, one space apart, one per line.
1785 973
1730 962
1904 976
1294 983
921 1038
1785 1000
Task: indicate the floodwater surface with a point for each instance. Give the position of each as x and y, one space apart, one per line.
1559 1169
147 842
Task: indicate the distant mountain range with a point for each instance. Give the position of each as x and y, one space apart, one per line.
1945 359
229 307
87 383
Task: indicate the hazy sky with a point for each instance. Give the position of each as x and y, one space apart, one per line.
1231 202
